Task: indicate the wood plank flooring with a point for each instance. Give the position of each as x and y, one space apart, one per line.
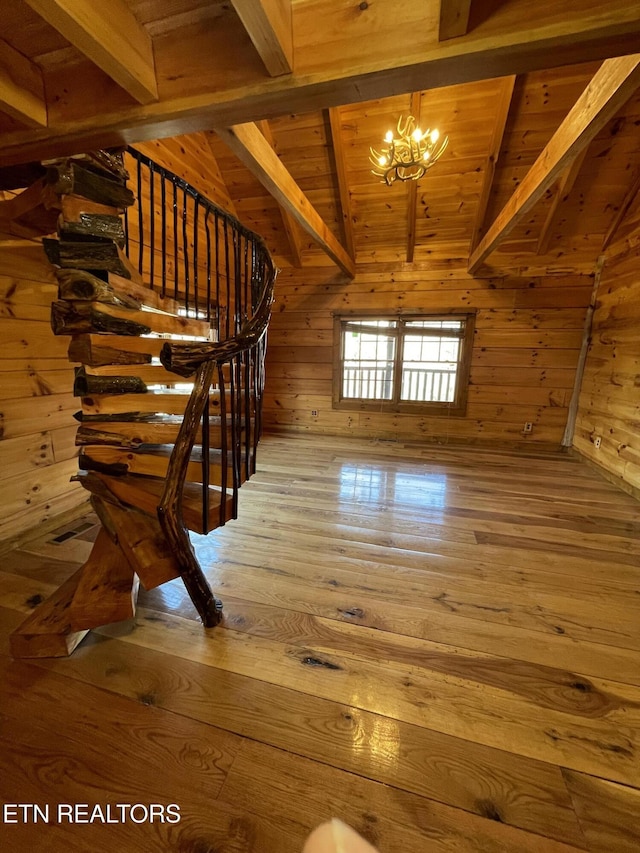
439 645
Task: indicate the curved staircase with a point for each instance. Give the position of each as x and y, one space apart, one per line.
166 299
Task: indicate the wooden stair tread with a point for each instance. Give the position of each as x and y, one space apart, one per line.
165 401
145 493
99 350
153 461
71 317
152 374
157 429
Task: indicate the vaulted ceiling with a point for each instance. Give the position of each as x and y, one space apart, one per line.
497 129
543 162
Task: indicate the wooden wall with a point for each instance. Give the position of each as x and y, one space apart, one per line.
527 340
36 405
610 399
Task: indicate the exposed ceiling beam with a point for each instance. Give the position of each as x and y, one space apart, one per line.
355 62
339 152
454 18
501 114
21 87
109 35
249 145
622 211
565 185
412 204
612 85
288 222
268 23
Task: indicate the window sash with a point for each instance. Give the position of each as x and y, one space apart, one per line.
393 378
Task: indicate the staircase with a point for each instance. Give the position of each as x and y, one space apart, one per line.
166 299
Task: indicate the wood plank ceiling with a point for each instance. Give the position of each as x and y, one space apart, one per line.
538 166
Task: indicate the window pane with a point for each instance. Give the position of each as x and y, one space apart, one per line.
368 365
435 324
429 369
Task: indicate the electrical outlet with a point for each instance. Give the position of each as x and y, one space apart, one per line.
528 427
314 413
597 441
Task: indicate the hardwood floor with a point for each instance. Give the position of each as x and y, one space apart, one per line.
439 645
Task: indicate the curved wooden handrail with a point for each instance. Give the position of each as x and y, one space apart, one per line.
244 350
184 359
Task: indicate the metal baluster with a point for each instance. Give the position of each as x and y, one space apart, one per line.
140 222
195 257
226 261
185 251
208 235
175 240
152 221
218 307
163 221
205 461
224 449
126 228
234 432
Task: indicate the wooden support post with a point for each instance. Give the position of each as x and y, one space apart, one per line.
48 632
144 545
107 587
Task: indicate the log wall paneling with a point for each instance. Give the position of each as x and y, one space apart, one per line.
36 402
609 407
523 363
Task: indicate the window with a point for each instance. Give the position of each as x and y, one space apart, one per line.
403 364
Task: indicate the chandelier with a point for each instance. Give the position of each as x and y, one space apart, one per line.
409 154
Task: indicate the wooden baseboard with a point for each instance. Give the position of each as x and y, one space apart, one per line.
634 491
438 441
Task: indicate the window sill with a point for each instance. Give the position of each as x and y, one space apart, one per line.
424 409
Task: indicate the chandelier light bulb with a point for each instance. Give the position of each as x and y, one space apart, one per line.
408 154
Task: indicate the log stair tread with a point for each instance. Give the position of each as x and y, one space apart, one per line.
167 401
145 493
153 461
151 374
150 431
99 350
71 317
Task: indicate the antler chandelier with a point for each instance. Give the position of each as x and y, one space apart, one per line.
409 154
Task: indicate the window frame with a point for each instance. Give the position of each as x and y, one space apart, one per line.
456 407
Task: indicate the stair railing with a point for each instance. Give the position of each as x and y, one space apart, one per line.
191 250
